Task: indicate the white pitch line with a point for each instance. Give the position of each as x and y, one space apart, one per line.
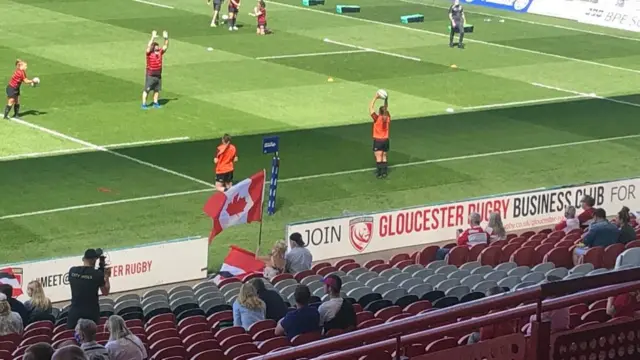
102 148
311 54
592 95
372 50
317 176
473 11
525 102
154 4
445 35
84 149
106 203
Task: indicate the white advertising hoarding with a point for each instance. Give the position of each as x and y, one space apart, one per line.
362 234
132 268
626 17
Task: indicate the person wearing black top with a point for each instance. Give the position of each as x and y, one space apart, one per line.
456 16
336 313
85 281
16 305
276 308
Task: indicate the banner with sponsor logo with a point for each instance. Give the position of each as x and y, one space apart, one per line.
132 268
510 5
361 234
623 16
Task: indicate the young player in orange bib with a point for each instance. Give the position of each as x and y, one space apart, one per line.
226 156
381 122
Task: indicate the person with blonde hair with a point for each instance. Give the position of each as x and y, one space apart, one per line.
248 307
495 229
39 306
123 345
10 322
275 261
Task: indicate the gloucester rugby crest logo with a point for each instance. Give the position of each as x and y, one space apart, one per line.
361 232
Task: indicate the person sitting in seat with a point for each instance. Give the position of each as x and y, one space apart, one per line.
336 313
304 319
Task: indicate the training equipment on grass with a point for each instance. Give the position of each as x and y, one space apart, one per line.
343 9
449 110
412 18
312 2
454 66
330 79
467 29
382 94
225 17
36 81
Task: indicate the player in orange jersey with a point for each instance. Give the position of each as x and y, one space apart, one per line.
226 156
381 122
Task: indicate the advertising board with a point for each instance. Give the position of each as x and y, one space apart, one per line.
622 16
362 234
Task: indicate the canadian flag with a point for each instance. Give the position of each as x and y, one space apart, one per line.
241 204
238 263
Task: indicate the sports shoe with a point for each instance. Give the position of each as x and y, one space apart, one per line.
144 107
235 28
213 24
156 106
230 29
461 46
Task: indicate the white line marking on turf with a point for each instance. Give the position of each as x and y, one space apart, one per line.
102 148
525 102
592 95
473 11
84 149
311 54
372 50
446 35
317 176
154 4
106 203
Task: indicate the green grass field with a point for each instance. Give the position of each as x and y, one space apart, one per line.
60 193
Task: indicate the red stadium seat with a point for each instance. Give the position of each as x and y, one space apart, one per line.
532 243
226 315
273 343
370 323
543 249
538 237
326 271
247 356
610 255
526 256
172 351
633 244
441 344
545 231
251 276
579 309
200 346
427 255
499 243
334 332
449 246
208 355
364 316
276 279
240 349
403 264
357 308
225 333
399 317
559 234
319 266
339 263
303 274
164 343
6 355
508 250
594 256
193 329
600 304
380 268
511 236
305 338
491 256
599 315
263 335
348 267
380 355
36 332
160 326
386 313
162 334
67 334
574 320
234 340
587 325
134 322
228 281
458 255
159 318
527 234
518 240
398 257
198 319
261 325
551 240
7 346
560 256
475 251
417 307
371 263
38 325
197 337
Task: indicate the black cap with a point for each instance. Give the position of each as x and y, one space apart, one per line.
297 238
92 253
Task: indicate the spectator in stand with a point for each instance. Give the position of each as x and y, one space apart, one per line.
69 352
627 232
298 258
336 313
304 319
85 282
248 307
570 221
495 229
586 217
10 321
38 306
39 351
475 234
275 262
16 305
496 330
123 345
559 318
86 336
601 232
276 309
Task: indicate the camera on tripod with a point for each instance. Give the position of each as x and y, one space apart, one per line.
102 262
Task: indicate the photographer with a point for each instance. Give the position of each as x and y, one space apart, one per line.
85 281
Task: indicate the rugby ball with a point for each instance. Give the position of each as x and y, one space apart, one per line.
36 81
382 94
225 17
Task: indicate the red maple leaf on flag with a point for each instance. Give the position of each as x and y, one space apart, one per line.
236 205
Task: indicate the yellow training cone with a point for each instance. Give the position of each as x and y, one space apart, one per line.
330 79
454 66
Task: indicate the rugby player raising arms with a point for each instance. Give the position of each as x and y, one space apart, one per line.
226 156
153 80
13 89
381 122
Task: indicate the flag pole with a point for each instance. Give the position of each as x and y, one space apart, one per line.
261 213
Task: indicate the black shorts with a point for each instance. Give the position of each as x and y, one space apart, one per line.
153 83
225 178
13 93
217 5
381 145
233 9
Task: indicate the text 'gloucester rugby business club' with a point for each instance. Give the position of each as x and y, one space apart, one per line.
431 218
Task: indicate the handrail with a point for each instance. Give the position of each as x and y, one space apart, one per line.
475 323
396 329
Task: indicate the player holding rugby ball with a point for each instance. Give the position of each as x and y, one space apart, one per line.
381 122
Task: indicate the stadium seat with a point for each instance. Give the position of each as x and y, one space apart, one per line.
474 251
560 256
370 323
445 302
388 312
326 271
160 326
508 250
491 256
398 258
441 344
594 256
162 334
600 304
598 315
525 256
226 333
427 255
163 343
633 244
191 321
193 329
472 296
458 256
200 346
348 267
172 351
234 340
417 307
261 325
208 355
371 263
610 255
198 337
406 300
404 263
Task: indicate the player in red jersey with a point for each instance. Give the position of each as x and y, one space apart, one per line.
260 12
153 81
13 89
234 7
381 122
